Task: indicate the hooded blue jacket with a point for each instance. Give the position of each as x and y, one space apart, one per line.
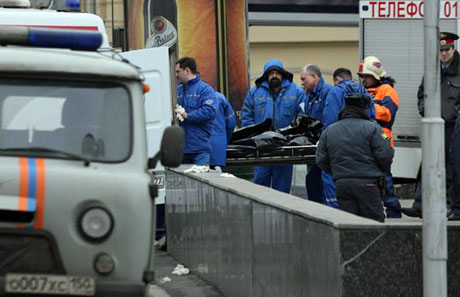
335 101
316 99
222 132
261 104
199 101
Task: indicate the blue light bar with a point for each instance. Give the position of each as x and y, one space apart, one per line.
73 4
71 39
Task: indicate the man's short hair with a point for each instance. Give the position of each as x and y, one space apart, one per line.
187 62
343 73
311 68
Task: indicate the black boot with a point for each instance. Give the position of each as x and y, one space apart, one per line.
412 212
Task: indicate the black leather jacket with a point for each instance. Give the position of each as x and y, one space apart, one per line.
450 92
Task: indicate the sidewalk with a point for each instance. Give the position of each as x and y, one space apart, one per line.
189 285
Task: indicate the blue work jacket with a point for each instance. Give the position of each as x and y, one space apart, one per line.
199 101
335 101
261 104
222 131
316 99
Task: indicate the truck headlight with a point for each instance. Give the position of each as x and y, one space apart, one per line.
96 224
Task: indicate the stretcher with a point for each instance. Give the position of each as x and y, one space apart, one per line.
285 155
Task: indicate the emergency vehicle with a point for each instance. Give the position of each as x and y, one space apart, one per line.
76 195
393 32
19 13
153 64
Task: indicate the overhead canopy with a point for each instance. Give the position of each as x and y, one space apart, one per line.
304 6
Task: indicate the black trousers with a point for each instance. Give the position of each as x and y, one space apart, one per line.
451 190
360 196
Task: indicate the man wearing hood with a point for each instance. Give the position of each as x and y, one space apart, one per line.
196 111
357 166
274 97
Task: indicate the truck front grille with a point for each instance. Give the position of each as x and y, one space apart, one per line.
28 251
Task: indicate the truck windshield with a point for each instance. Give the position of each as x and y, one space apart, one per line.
91 121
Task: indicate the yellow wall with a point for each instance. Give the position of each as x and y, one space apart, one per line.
327 47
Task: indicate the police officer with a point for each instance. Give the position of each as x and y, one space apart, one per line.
450 106
274 96
196 110
358 154
222 131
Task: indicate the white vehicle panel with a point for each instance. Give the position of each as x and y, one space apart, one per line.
154 64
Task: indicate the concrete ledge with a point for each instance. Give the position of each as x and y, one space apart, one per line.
249 240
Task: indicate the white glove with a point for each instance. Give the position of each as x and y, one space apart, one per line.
179 110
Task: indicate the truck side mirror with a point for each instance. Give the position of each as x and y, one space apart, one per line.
171 149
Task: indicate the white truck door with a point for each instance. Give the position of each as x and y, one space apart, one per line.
154 65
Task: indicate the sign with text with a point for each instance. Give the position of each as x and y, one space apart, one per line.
404 9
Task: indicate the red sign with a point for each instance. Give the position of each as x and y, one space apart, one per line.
404 9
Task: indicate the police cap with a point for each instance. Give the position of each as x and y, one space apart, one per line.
358 100
446 40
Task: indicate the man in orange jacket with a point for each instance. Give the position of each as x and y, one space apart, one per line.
386 102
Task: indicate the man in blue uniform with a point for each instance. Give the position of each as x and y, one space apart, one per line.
222 132
335 102
196 110
317 90
275 96
358 166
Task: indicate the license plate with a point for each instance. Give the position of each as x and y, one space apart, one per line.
50 284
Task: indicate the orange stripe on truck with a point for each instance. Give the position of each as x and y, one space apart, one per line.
23 184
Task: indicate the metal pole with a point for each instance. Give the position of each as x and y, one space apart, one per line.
113 20
126 22
433 167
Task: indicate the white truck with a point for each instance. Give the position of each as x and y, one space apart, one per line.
153 63
393 32
76 191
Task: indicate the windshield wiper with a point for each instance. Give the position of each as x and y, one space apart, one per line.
47 150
